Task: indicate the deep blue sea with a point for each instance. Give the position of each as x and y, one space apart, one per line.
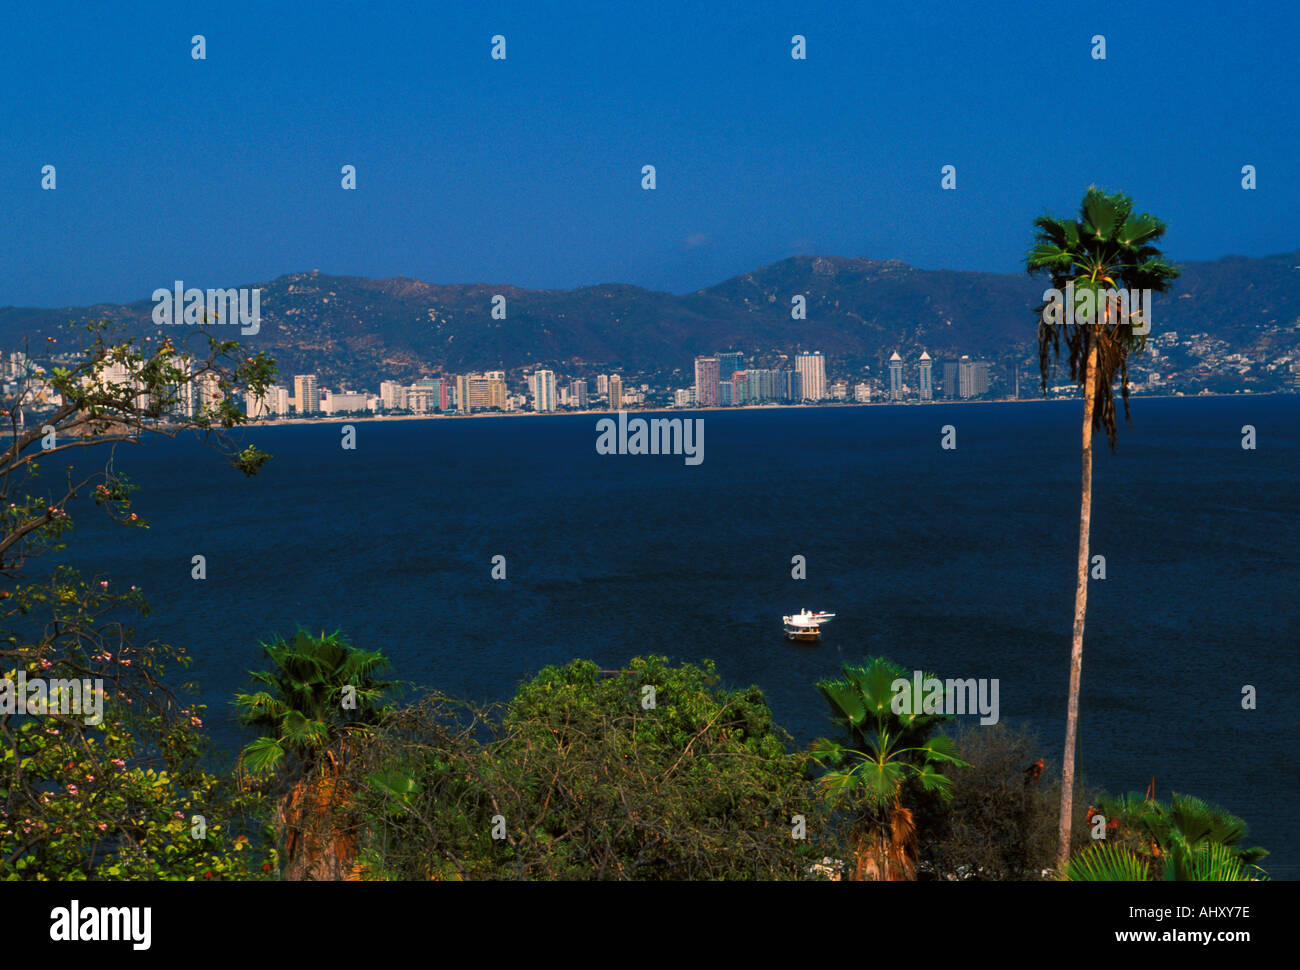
961 562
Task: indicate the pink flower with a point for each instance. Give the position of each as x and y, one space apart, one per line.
72 789
197 722
119 762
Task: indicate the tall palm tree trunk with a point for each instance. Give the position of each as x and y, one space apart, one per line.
1080 610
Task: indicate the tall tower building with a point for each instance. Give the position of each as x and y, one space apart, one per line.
972 377
578 394
737 382
615 392
729 363
812 375
950 379
307 393
927 377
707 378
895 377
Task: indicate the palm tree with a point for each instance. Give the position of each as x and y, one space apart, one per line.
1177 831
887 748
321 696
1108 247
1208 862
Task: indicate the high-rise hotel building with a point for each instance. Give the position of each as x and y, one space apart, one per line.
481 392
895 377
812 375
972 377
578 394
615 393
306 394
927 377
707 378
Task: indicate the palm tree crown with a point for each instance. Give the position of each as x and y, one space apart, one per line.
1107 247
320 690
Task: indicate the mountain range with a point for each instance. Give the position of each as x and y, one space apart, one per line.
359 331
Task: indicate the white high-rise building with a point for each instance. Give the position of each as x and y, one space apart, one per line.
392 395
811 368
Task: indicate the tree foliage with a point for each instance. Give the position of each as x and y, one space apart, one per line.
577 779
108 782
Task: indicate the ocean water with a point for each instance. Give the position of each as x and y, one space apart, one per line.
961 562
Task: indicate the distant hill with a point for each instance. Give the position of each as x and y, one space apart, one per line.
361 331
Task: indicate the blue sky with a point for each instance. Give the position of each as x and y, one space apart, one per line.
527 171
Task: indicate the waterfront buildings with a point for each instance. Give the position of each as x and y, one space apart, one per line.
926 383
615 393
895 377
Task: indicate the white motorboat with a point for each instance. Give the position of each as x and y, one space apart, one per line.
805 625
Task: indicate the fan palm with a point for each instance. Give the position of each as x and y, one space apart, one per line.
321 694
1178 831
887 748
1107 248
1208 862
